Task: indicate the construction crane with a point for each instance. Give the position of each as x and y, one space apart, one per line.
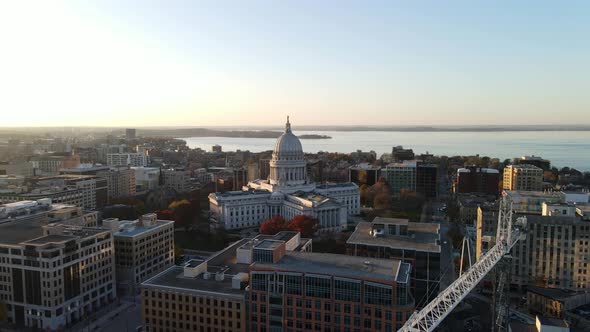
507 235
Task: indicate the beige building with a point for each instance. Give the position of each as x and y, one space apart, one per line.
179 180
523 177
145 247
486 225
55 275
120 182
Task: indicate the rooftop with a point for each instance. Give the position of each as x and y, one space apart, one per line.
340 265
554 293
421 237
174 278
366 166
132 228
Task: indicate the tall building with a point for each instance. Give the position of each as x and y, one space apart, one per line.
287 192
417 244
177 179
146 178
474 179
364 174
121 182
54 276
263 169
523 177
399 154
130 133
132 159
426 180
400 176
144 247
486 226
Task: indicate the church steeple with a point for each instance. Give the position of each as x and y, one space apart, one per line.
288 126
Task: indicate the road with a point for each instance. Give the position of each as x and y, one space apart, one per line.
127 320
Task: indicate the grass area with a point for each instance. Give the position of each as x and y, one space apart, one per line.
200 240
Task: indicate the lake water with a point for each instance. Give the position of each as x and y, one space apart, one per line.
563 148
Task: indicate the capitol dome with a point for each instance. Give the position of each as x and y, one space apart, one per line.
287 166
288 145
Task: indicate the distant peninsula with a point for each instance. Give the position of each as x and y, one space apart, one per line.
204 132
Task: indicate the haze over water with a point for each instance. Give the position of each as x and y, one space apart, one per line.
563 148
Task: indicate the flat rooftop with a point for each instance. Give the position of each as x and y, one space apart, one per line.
268 244
13 233
421 237
174 278
533 194
340 265
131 228
554 293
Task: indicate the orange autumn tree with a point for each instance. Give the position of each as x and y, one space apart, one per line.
273 225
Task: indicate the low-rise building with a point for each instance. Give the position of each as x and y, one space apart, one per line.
144 247
474 179
146 178
532 201
554 302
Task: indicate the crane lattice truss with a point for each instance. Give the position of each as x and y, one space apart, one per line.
434 312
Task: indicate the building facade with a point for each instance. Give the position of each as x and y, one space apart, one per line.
179 180
52 277
477 180
287 192
133 159
364 174
523 177
145 247
400 176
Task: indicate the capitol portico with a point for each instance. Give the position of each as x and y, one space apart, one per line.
287 192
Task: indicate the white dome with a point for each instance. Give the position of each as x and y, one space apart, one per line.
288 145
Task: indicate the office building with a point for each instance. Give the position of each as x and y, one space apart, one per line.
364 174
120 181
415 243
288 192
177 179
399 154
144 247
146 178
54 276
400 176
132 159
486 227
263 169
474 179
532 201
209 294
20 168
130 133
50 164
426 180
216 148
523 177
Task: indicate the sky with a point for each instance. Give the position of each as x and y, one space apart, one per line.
209 63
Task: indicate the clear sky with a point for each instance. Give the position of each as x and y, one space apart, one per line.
198 63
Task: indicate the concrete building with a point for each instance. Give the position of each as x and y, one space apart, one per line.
468 205
486 226
209 294
474 179
216 148
415 243
144 247
399 154
89 192
523 177
22 168
532 201
554 302
177 179
50 164
364 174
146 178
54 276
132 159
400 176
287 192
120 181
130 133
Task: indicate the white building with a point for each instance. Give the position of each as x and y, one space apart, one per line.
179 180
135 159
146 178
288 192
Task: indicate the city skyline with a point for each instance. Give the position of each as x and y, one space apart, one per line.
189 64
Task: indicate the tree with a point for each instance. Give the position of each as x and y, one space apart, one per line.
305 225
273 225
183 213
382 200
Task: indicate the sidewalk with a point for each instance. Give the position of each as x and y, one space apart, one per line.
104 318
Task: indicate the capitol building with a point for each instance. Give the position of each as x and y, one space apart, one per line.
287 192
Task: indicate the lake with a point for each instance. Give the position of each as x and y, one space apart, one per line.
563 148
